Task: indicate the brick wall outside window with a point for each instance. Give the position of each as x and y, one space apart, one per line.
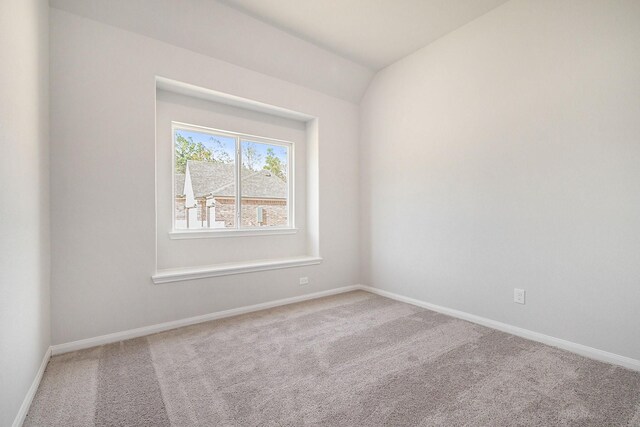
275 212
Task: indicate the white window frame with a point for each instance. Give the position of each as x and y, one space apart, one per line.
238 230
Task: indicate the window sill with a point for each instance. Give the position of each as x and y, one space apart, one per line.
209 234
192 273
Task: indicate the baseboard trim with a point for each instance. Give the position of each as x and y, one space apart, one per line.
161 327
583 350
31 393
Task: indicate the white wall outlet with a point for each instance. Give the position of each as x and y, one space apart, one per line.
518 295
304 281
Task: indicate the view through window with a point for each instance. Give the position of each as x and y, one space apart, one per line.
225 180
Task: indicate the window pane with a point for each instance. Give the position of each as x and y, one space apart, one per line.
264 185
205 180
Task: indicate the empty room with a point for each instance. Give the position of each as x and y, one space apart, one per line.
319 213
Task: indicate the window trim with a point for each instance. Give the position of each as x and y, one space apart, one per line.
221 232
203 272
238 230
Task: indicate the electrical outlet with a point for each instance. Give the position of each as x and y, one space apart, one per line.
518 296
304 281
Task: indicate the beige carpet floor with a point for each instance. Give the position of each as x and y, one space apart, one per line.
354 359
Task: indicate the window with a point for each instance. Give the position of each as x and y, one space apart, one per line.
230 181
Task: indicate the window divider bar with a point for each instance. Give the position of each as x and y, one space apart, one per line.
238 182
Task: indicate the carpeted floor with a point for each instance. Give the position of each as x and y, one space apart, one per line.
354 359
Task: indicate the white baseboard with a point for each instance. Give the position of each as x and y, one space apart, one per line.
31 393
580 349
160 327
583 350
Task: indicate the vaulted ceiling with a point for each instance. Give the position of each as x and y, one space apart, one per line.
374 33
332 46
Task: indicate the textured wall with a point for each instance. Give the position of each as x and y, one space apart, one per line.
103 92
506 154
24 199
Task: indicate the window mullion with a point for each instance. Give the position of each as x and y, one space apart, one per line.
238 183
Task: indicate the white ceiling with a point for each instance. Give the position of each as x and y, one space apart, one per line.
374 33
332 46
222 32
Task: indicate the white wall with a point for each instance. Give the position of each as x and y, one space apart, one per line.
103 182
24 195
507 154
